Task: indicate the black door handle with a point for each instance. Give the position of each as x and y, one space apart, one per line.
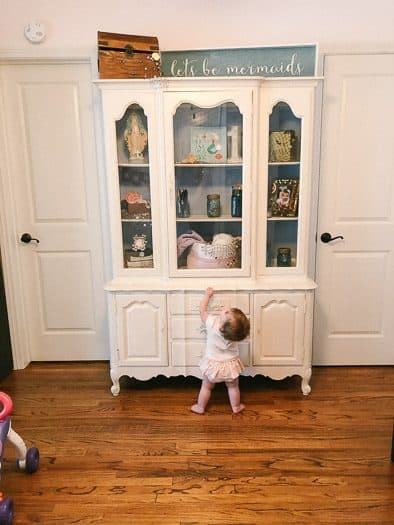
326 237
26 237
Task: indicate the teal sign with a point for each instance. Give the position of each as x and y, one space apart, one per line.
286 61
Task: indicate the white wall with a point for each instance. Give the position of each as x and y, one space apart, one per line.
336 25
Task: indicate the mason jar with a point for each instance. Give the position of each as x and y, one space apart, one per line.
213 205
283 257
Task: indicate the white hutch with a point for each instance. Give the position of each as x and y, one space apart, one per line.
209 184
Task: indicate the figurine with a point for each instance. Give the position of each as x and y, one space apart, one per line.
135 136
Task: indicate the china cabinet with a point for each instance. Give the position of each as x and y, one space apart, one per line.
209 184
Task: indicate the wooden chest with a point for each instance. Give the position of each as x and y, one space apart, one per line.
128 56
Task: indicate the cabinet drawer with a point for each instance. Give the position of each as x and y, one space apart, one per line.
186 353
189 303
187 327
189 353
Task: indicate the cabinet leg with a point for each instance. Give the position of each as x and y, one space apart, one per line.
305 387
115 388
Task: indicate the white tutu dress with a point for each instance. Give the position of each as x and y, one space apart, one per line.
221 361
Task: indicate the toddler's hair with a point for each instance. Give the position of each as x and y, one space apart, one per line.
236 328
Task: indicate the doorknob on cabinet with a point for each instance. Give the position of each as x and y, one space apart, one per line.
26 237
326 237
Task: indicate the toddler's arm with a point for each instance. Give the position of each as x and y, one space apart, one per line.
204 304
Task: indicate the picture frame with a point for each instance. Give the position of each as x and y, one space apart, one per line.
283 198
208 144
282 146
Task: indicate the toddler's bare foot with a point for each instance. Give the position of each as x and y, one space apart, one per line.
238 409
197 409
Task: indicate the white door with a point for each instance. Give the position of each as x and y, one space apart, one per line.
50 191
354 320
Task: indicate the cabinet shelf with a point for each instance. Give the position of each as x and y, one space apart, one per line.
209 165
282 219
137 220
134 165
204 218
293 163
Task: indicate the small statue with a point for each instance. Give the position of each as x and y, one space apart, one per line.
135 136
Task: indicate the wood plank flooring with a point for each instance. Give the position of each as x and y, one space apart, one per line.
143 458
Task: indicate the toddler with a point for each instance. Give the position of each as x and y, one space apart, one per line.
221 360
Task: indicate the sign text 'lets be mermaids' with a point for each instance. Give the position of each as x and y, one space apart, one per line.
284 61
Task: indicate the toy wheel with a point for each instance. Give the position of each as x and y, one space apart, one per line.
6 511
32 460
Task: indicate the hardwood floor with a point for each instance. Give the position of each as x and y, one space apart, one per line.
143 458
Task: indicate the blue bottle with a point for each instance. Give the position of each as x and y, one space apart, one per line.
236 201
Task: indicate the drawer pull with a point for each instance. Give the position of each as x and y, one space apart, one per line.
215 306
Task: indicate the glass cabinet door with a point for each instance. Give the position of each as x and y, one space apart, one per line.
132 142
209 186
283 187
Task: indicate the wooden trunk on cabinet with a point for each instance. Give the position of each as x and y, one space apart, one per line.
207 137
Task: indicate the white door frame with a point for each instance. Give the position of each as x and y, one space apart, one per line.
9 233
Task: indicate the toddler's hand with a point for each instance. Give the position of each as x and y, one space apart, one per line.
209 292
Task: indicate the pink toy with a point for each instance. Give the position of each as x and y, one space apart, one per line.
7 405
27 459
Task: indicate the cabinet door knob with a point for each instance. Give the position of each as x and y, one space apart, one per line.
26 237
326 237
